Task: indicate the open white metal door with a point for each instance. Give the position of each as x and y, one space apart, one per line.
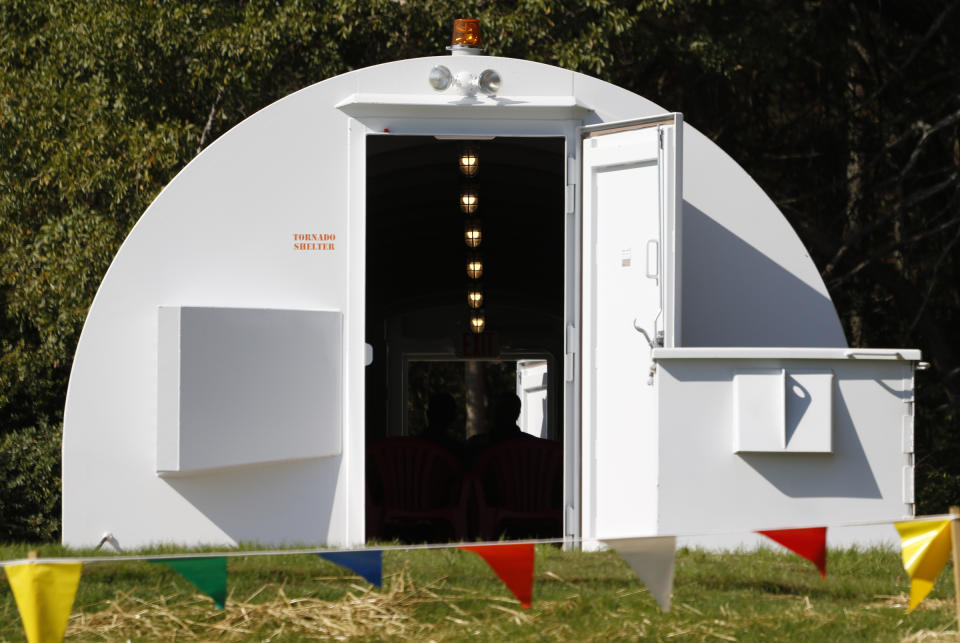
631 193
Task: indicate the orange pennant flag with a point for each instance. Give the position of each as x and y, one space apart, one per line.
513 564
810 543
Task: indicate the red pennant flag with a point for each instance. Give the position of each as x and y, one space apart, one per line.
811 543
513 564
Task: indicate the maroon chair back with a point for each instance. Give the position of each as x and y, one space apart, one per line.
518 480
410 481
413 474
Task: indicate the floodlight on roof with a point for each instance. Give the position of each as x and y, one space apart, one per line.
489 82
465 42
440 78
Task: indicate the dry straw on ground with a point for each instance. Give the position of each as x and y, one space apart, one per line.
268 613
397 612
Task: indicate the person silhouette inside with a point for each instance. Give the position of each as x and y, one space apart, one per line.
441 413
506 412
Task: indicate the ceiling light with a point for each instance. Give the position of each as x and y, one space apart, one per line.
472 234
469 201
475 298
475 268
469 162
478 321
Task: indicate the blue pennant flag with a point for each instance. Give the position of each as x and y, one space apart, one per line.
368 564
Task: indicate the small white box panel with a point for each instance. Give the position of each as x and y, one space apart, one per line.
758 410
239 386
809 407
782 411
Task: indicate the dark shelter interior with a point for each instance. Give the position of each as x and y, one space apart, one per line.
464 282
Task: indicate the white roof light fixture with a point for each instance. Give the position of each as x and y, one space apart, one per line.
465 42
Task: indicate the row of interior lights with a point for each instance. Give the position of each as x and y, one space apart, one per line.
469 164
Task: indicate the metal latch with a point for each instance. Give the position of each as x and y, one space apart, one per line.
645 334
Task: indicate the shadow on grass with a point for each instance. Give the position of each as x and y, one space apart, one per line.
766 586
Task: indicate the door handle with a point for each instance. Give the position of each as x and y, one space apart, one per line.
655 273
643 332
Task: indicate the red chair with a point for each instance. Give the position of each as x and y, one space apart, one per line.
519 488
415 482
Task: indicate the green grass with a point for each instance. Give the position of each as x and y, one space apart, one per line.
452 595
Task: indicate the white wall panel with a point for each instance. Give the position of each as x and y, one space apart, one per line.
221 234
704 487
247 386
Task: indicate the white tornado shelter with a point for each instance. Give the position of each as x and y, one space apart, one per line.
699 377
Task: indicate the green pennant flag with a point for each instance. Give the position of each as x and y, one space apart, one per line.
209 575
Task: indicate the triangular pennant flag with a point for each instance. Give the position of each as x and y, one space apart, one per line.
368 564
44 593
513 564
925 547
808 542
652 560
208 574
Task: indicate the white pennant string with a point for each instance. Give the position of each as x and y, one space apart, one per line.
652 560
539 541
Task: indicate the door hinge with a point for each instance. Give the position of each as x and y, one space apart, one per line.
571 346
660 136
570 199
571 520
908 488
907 434
572 343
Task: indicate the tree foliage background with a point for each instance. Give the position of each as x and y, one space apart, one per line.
847 114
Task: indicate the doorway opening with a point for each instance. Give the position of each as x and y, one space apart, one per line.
464 419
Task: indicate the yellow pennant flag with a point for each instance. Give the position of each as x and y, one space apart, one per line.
44 594
925 546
